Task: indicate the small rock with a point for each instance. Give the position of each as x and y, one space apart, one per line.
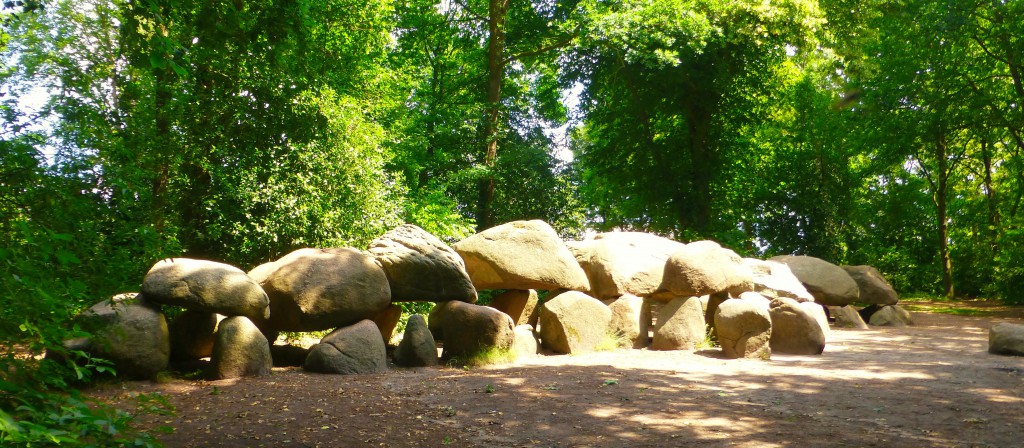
847 317
680 325
1006 339
574 322
744 329
355 349
631 320
417 348
526 343
796 330
469 330
240 350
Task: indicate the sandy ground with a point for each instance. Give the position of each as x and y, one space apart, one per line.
932 384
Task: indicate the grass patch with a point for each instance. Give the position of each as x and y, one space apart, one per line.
709 342
486 357
956 311
613 340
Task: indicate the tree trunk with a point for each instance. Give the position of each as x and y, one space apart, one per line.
162 143
698 123
990 196
497 11
941 214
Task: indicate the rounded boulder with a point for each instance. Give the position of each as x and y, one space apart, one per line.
129 331
355 349
705 267
420 267
469 330
240 350
573 322
744 329
205 286
319 289
521 255
828 283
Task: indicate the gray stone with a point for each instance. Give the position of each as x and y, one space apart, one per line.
130 332
420 267
351 350
704 267
680 325
240 350
1006 339
619 263
469 330
573 322
521 255
847 317
874 289
192 335
520 305
889 316
417 348
796 329
205 286
318 289
744 329
773 279
631 320
828 283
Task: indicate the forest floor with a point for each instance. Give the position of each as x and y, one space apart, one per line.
930 384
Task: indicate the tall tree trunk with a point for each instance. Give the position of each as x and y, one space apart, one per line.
497 12
990 196
940 195
698 124
162 143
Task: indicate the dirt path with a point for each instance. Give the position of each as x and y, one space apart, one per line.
932 384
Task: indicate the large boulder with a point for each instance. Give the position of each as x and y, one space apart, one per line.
520 305
469 330
773 279
573 322
886 316
319 289
705 267
420 267
128 331
240 350
1006 339
354 349
874 289
744 329
192 335
847 317
680 325
796 328
521 255
631 320
828 283
206 286
619 263
417 348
